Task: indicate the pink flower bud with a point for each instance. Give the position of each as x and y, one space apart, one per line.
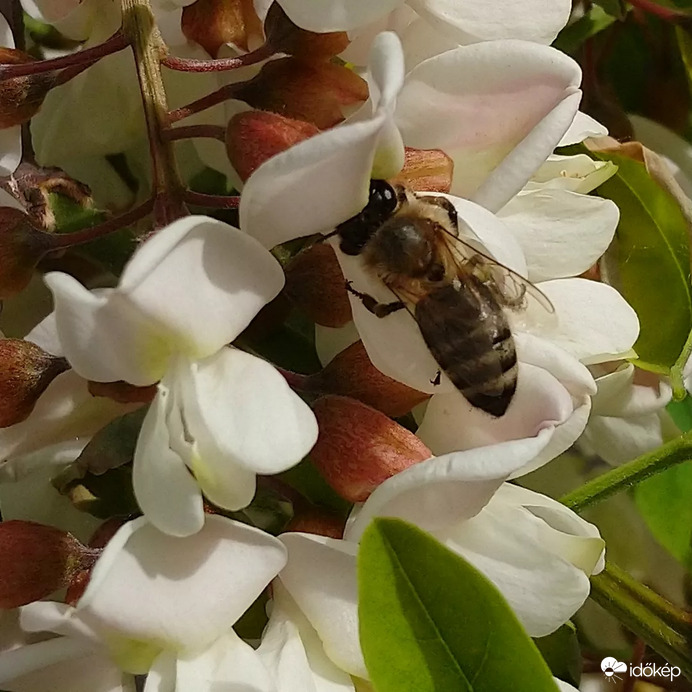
358 447
314 282
350 373
426 170
123 392
255 136
318 522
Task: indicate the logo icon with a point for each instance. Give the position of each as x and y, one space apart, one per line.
610 666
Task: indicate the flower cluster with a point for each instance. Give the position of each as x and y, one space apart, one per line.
155 392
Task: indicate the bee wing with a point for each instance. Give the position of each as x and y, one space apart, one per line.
511 290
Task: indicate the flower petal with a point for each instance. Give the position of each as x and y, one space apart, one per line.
165 489
562 233
487 20
516 551
328 596
232 275
497 108
447 489
229 663
583 126
578 173
251 412
336 15
595 323
179 592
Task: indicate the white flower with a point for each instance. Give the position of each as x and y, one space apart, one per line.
537 552
161 604
464 21
220 416
10 137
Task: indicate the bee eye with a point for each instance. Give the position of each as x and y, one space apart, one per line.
383 198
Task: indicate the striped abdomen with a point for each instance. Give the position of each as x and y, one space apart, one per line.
468 335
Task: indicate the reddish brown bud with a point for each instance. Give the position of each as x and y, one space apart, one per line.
21 97
22 245
37 560
314 282
123 392
426 170
212 23
358 447
314 92
351 373
285 37
318 522
255 136
25 372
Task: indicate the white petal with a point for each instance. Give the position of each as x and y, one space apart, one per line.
512 548
66 411
336 15
228 664
166 491
595 323
327 175
465 102
561 233
232 275
103 337
578 173
6 36
572 374
293 652
539 403
243 419
330 341
487 20
180 592
161 675
583 126
328 595
447 489
620 395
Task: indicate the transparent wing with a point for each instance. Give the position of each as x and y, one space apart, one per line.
510 289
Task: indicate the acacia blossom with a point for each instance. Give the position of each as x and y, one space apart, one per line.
220 415
537 552
330 172
10 137
154 604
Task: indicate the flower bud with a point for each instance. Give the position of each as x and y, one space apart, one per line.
255 136
314 92
318 522
21 97
314 282
285 37
351 373
25 372
22 245
123 392
37 560
426 170
358 447
212 23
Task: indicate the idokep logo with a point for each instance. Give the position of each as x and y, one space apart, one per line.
614 669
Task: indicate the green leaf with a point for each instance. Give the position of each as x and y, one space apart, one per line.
614 8
591 23
429 621
653 261
562 653
681 413
664 502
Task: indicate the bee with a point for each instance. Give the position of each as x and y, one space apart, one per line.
456 294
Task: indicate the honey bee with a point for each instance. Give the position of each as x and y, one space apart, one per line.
456 294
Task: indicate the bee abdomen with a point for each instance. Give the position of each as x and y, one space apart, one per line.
469 337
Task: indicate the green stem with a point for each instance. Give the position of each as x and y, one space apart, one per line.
676 378
140 29
660 624
675 452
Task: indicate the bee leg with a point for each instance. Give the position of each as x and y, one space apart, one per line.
371 305
437 379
